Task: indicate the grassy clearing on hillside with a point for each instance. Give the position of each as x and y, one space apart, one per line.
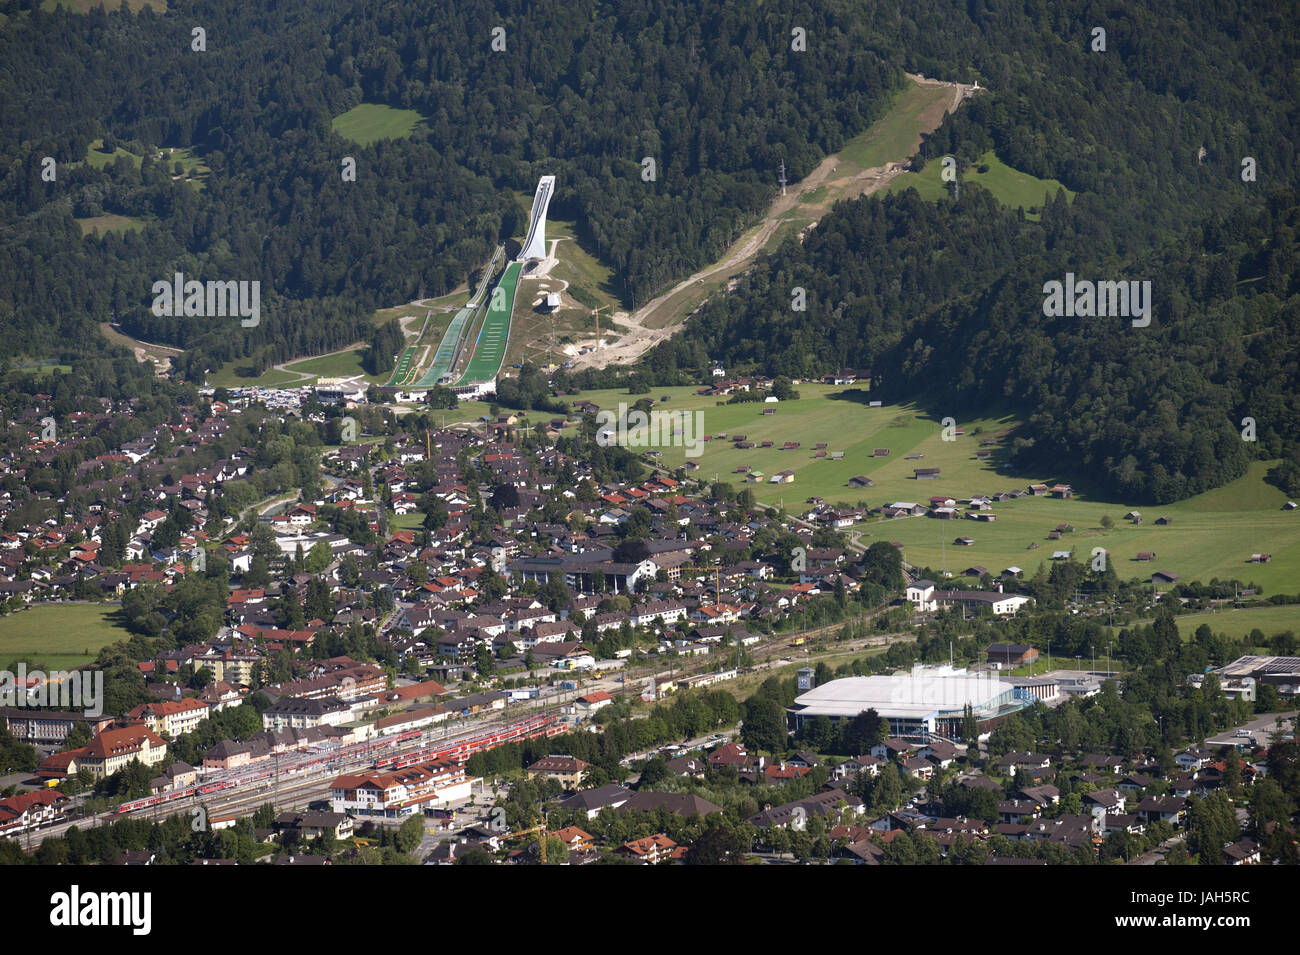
234 375
101 225
99 158
192 167
791 226
44 369
1009 186
340 365
371 122
1239 623
433 328
1211 535
894 136
581 279
156 352
689 299
58 635
578 266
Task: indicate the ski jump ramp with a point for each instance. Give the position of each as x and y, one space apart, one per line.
535 244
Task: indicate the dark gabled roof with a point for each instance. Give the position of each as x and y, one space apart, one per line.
1162 804
1241 849
683 804
589 799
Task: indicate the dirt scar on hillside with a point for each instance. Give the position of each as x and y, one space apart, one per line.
641 337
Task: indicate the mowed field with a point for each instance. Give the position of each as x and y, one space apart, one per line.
1009 186
234 375
894 136
1211 535
371 122
345 364
58 636
101 225
1239 623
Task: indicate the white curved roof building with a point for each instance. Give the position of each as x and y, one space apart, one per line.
928 700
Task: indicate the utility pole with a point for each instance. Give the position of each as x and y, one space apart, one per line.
782 180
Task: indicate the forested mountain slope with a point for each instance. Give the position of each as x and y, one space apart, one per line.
944 301
583 90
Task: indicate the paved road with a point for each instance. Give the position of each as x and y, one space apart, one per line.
1158 854
1262 727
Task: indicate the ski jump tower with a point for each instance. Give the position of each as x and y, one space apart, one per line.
535 244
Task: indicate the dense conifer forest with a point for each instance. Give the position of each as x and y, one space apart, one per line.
583 90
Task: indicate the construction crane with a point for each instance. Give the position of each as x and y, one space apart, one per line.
541 838
717 581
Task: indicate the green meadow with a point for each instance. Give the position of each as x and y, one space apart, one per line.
1239 623
192 167
580 268
100 225
58 636
894 135
99 157
371 122
1210 535
42 369
346 364
234 375
1010 187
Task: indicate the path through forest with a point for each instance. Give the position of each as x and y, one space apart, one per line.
643 331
